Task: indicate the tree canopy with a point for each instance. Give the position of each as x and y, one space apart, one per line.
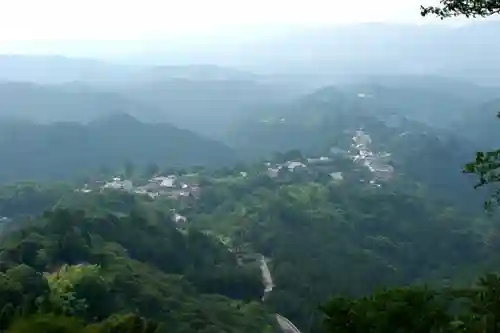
468 8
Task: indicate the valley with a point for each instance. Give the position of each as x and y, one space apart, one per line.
305 179
358 202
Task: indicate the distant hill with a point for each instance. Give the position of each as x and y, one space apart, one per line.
444 105
206 106
366 49
436 101
329 53
314 120
193 72
65 102
343 52
66 149
59 69
329 118
204 99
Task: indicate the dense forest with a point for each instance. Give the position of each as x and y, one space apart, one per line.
342 197
322 235
68 268
356 199
326 237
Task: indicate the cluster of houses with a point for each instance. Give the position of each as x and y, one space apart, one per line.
360 153
176 187
273 171
377 163
167 186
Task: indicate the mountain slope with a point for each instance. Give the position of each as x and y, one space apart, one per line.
326 237
101 269
436 101
62 150
329 118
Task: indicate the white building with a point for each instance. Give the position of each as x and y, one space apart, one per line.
178 218
119 185
273 172
292 165
169 182
337 176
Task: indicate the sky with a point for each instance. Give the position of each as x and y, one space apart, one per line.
149 19
83 27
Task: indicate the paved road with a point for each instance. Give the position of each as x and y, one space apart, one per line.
267 279
285 324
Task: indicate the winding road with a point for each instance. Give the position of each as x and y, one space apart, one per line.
267 279
285 324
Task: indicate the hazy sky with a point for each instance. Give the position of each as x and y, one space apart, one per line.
134 19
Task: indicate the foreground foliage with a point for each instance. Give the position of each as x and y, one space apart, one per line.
419 309
71 271
468 8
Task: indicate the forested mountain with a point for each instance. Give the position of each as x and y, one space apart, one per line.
114 272
328 119
436 101
344 190
331 196
376 198
65 149
326 235
323 236
444 105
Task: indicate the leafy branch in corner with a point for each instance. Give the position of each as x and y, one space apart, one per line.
467 8
487 167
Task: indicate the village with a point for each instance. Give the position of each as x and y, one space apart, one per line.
187 186
171 186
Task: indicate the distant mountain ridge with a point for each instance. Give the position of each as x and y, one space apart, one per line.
325 53
205 99
66 102
59 69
